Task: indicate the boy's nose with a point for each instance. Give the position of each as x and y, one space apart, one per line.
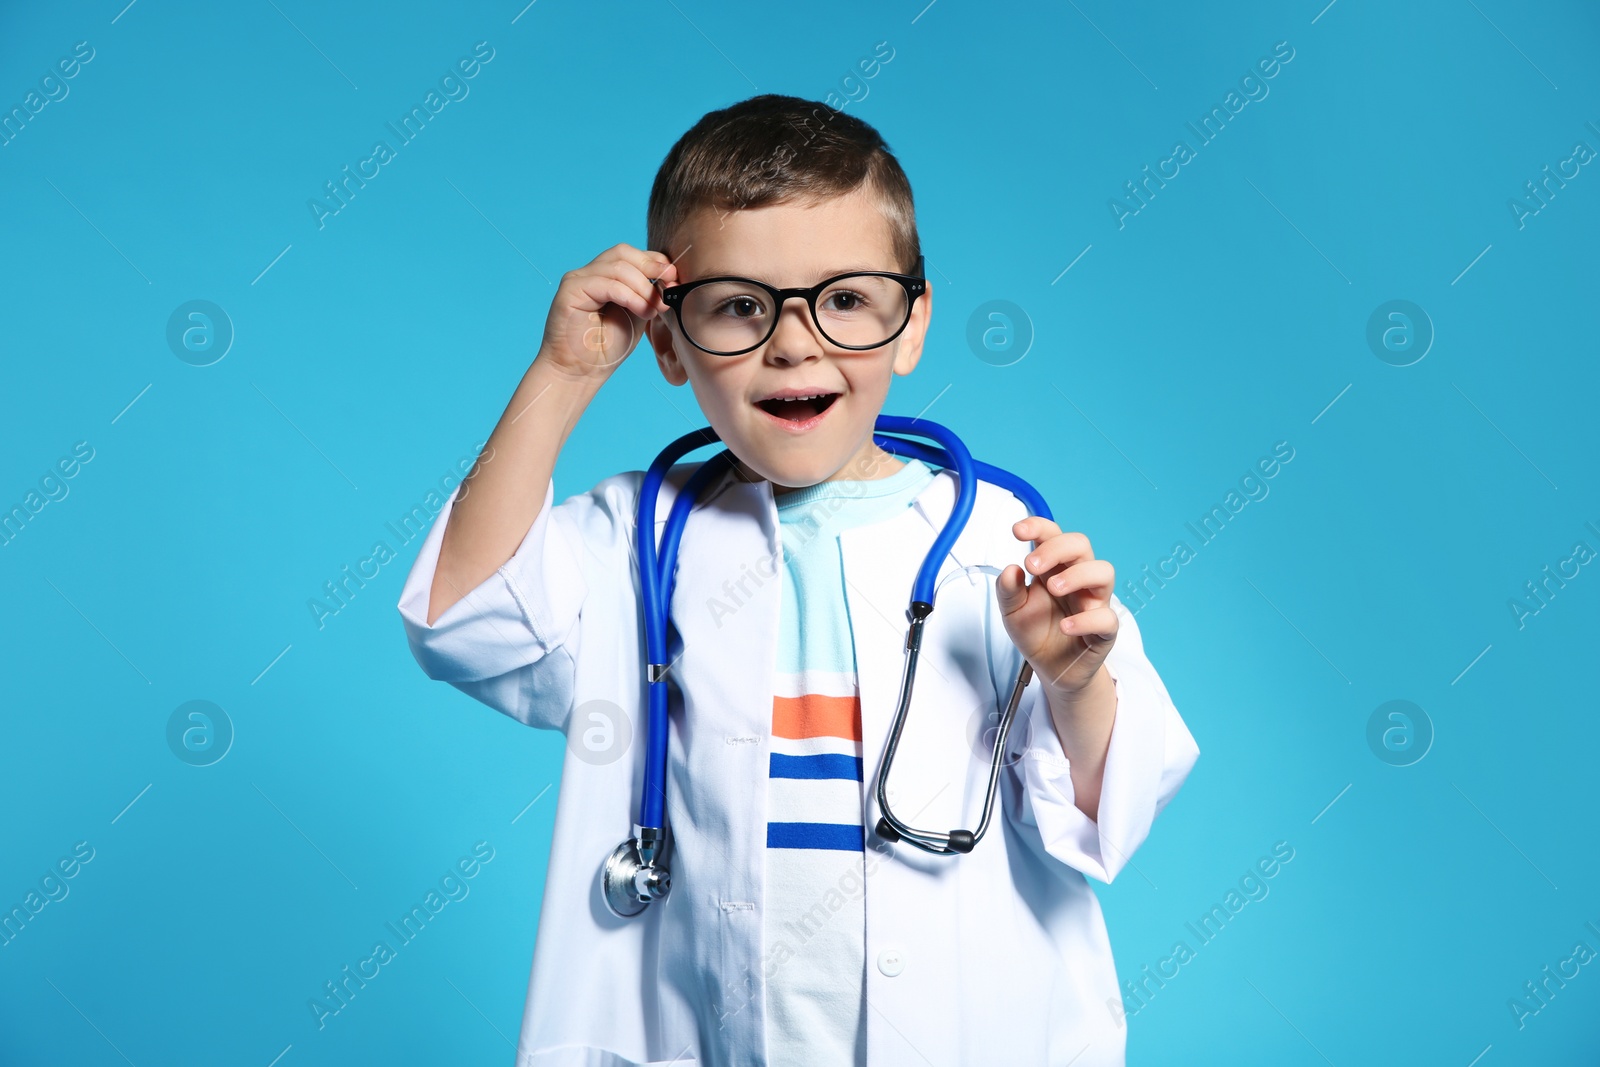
795 339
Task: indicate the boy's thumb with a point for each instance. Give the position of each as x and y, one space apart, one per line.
1010 589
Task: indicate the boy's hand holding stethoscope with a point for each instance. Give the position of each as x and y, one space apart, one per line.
1064 626
1063 622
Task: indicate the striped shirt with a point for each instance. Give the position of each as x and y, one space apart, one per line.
815 922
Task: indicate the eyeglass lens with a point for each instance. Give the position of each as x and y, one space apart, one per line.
860 310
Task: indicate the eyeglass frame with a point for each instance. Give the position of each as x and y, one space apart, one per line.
915 285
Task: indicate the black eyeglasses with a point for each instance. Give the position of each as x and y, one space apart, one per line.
728 316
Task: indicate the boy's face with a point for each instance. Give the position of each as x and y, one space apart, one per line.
792 245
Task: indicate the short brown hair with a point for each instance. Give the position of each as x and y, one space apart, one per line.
772 149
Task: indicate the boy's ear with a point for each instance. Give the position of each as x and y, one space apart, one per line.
660 335
909 350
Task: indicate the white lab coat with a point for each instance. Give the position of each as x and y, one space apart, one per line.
996 957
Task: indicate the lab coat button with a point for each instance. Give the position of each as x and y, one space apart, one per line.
891 962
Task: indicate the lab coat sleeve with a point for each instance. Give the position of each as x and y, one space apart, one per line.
1150 754
509 642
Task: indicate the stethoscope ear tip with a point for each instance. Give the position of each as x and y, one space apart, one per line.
961 841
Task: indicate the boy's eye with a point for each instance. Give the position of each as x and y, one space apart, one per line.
843 300
741 307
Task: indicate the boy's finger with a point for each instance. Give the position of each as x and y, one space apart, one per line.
1034 528
1061 550
663 273
638 281
640 257
602 289
660 268
1011 591
1096 623
1092 579
654 266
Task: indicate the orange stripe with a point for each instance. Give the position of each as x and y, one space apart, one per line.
814 715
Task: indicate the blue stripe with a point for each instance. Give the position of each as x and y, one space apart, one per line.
816 835
823 765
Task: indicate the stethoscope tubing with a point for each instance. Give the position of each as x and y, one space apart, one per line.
655 591
657 578
938 457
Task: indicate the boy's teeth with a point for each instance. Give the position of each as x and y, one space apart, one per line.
797 408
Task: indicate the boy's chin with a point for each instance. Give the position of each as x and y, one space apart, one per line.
787 476
788 472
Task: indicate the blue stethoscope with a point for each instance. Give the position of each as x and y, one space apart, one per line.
636 872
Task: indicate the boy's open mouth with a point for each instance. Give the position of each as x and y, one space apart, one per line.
796 407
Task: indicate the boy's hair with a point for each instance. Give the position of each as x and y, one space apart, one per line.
773 149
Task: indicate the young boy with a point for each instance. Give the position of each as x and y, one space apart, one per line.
793 932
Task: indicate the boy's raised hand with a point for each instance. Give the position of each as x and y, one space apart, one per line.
595 321
598 310
1062 623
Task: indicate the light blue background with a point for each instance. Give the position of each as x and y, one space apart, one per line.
377 351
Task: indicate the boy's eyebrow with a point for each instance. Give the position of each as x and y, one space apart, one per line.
723 272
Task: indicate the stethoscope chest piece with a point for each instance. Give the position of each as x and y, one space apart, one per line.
629 883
